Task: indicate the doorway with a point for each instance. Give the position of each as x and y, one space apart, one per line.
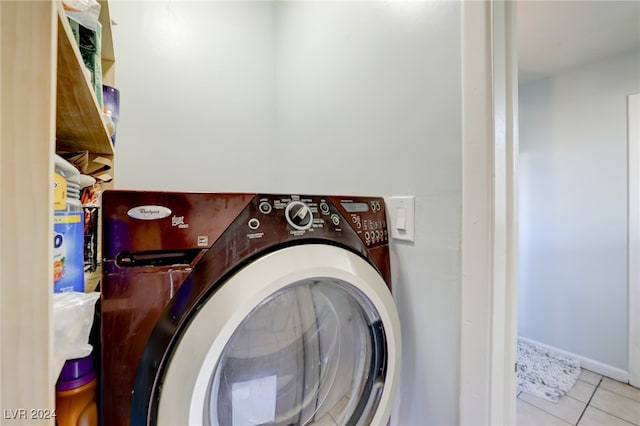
573 180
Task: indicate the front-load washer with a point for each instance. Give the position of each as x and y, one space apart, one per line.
246 309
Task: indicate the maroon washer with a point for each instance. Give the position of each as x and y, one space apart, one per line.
165 253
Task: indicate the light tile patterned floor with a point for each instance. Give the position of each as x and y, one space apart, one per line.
593 401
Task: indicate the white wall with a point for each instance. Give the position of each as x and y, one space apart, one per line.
197 95
333 97
573 209
369 97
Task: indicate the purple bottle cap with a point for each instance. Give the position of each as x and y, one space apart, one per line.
76 368
75 373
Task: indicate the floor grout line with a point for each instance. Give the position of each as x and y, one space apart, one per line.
616 394
545 411
597 386
584 410
614 415
619 394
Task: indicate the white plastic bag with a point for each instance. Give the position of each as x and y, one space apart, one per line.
72 321
85 12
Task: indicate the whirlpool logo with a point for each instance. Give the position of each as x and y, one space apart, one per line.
149 212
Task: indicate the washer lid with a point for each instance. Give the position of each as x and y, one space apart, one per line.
308 334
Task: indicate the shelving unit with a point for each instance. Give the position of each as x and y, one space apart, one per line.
47 105
79 124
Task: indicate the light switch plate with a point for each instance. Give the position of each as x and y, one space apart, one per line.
403 206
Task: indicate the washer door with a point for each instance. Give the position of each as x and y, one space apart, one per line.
305 335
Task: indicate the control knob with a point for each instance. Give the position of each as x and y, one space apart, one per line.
299 215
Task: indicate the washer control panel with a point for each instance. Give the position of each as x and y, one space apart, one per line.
368 218
320 216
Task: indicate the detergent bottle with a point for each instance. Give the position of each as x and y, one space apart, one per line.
76 394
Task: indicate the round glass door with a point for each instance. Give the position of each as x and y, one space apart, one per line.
311 353
307 334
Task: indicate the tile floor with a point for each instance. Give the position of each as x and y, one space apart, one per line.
593 401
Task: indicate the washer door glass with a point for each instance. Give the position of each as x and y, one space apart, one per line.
313 352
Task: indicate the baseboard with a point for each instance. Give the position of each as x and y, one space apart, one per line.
586 363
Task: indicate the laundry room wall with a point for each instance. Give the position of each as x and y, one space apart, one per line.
573 209
313 97
369 102
197 95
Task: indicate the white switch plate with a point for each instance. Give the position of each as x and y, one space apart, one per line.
405 205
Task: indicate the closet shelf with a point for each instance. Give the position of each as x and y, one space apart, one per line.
79 125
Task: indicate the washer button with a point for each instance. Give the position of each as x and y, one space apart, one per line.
254 223
265 207
324 208
335 219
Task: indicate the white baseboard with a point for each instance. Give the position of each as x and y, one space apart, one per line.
586 363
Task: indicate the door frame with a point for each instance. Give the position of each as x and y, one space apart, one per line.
27 143
489 282
633 135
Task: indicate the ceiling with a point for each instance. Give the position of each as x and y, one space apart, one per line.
557 35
